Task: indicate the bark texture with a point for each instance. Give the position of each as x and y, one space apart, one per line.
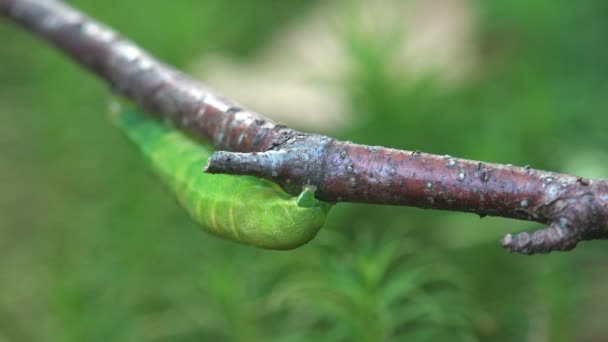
574 208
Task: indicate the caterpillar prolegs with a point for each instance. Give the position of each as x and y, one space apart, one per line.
240 208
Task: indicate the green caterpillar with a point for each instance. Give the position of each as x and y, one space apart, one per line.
239 208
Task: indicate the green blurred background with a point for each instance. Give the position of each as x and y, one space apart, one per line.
92 247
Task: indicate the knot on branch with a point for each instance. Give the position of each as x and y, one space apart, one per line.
293 163
579 212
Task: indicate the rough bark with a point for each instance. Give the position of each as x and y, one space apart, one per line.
574 208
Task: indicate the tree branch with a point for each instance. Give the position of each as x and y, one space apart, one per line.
574 208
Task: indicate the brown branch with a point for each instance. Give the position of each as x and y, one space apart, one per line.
574 208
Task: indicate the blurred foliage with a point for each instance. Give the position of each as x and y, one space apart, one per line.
93 249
